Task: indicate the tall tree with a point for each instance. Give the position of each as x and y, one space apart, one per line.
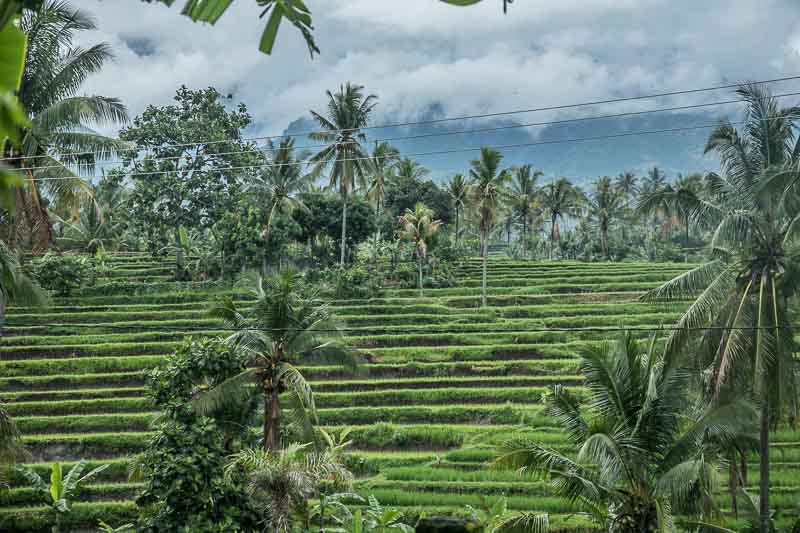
287 322
457 188
383 164
59 147
642 453
745 289
523 196
418 226
677 202
605 204
488 193
560 199
345 158
178 181
627 183
280 183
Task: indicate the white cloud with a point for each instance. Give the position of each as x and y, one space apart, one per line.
419 53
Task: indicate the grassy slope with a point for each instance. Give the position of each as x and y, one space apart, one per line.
444 376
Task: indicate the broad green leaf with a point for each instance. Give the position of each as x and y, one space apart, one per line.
271 30
206 10
12 57
56 483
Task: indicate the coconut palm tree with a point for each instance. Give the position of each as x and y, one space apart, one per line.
287 323
643 452
457 188
626 182
280 184
282 481
488 193
59 141
410 170
382 166
418 226
560 198
523 196
345 158
677 202
605 204
745 288
93 231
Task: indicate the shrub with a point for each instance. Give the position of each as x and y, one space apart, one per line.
353 282
62 274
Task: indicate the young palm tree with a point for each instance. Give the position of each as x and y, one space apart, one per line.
60 135
15 286
523 196
287 479
457 188
280 184
745 288
418 226
560 198
605 204
487 191
92 231
287 323
383 162
348 162
642 453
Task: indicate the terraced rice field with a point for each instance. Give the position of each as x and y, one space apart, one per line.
445 379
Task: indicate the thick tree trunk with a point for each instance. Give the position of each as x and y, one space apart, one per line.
272 420
764 466
343 246
484 253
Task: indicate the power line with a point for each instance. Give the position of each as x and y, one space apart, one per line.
438 134
449 151
455 118
371 330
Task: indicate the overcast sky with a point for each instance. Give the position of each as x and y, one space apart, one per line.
419 55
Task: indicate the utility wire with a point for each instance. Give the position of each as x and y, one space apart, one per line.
367 330
455 118
259 149
445 152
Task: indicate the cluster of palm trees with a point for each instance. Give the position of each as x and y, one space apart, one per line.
736 337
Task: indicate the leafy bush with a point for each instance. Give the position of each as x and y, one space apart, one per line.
353 282
62 274
185 488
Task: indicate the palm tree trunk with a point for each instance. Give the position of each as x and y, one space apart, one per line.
764 466
733 484
178 254
280 511
419 266
484 253
272 420
344 229
456 226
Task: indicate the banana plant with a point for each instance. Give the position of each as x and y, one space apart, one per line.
295 12
57 494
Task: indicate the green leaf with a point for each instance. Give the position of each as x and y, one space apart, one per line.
206 10
271 30
56 483
12 57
